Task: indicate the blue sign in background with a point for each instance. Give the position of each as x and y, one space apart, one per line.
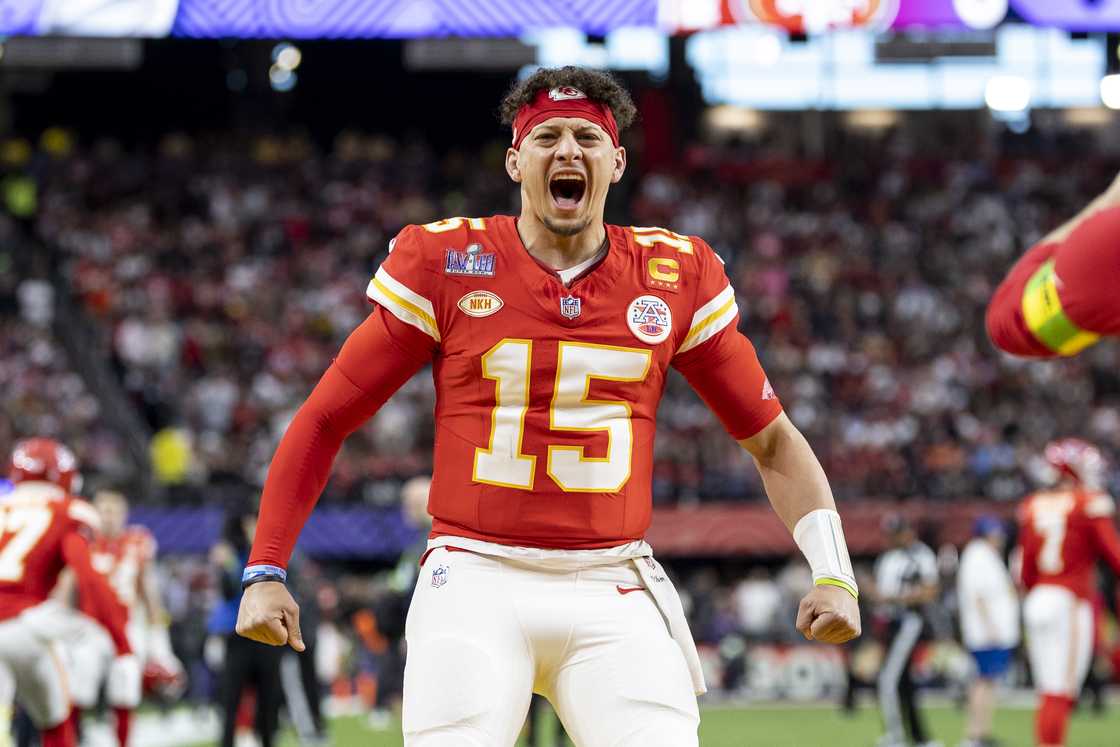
421 18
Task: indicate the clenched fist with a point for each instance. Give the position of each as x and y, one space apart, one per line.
827 614
269 614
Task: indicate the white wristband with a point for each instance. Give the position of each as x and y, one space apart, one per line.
821 539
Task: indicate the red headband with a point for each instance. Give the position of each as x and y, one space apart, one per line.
564 101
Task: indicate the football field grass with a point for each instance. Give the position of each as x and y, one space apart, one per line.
806 727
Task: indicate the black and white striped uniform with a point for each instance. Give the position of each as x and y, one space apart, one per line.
899 572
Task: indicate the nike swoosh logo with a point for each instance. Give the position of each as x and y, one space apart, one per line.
622 590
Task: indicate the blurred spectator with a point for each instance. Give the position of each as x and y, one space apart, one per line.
245 664
758 601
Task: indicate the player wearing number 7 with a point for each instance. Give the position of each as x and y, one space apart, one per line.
550 335
42 529
1064 531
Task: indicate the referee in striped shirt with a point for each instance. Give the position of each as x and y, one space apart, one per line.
906 580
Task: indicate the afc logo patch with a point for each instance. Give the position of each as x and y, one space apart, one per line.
439 577
566 93
650 319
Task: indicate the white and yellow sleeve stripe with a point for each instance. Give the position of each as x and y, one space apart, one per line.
711 318
411 308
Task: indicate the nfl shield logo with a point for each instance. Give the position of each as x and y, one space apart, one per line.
439 576
569 307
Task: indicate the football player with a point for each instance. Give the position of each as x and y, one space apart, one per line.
550 336
125 555
1064 531
42 529
1060 297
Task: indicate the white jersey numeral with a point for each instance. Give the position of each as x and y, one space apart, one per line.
23 526
649 236
508 364
1051 517
502 463
451 224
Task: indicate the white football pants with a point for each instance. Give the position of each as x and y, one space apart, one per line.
1059 628
31 667
484 633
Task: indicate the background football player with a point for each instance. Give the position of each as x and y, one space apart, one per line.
43 529
1064 531
125 555
550 334
1060 297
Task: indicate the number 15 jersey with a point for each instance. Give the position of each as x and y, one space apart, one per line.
546 393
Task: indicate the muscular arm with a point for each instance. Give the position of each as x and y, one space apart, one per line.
93 586
795 481
376 360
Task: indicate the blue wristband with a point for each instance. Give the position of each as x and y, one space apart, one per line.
256 573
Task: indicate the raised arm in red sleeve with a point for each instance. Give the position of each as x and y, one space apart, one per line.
1101 512
379 357
1006 326
93 586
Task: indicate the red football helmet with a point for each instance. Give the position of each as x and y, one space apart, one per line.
44 459
164 682
1075 458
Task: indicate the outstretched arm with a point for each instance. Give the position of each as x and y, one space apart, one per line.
799 492
379 357
95 587
1059 298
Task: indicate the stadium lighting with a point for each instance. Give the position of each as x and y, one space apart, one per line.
767 49
1110 91
287 56
1007 93
729 119
872 119
281 79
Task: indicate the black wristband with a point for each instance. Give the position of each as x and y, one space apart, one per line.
246 583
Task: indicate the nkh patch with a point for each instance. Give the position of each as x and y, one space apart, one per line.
650 319
473 261
480 303
569 307
439 576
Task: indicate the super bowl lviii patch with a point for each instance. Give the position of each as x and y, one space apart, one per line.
650 319
472 261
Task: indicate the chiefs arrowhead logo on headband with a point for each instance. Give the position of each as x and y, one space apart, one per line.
563 101
566 93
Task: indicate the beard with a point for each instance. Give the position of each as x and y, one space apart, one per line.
567 228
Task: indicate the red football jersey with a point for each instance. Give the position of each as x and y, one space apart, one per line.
546 393
1063 533
123 560
34 519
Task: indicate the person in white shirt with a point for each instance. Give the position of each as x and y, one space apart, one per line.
989 607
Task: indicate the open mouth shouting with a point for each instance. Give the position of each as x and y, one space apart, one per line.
567 189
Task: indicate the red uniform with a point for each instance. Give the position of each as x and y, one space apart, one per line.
546 394
42 530
1061 297
123 560
1063 534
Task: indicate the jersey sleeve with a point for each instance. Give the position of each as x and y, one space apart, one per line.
1087 268
403 286
372 365
1100 510
97 596
718 361
1007 327
83 517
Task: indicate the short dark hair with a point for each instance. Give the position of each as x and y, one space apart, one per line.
598 85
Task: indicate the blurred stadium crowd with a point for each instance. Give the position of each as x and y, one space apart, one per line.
223 275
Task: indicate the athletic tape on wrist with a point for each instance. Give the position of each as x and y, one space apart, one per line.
821 539
254 573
